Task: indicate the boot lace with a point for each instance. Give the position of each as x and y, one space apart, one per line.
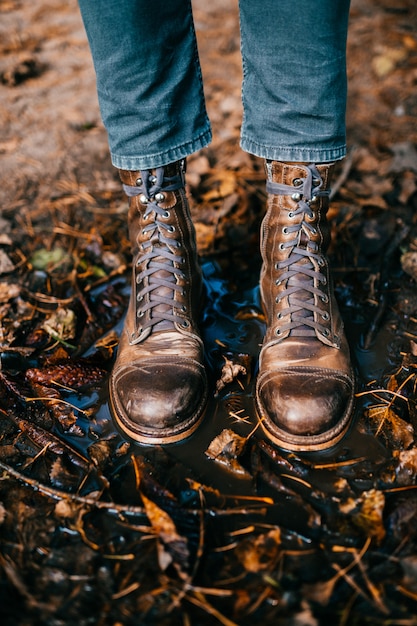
303 281
160 273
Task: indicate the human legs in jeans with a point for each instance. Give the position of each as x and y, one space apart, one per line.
152 104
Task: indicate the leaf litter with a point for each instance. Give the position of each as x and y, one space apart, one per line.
223 528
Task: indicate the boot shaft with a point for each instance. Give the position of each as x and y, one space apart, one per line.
295 279
166 277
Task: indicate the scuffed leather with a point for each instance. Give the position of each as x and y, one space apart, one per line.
158 386
305 385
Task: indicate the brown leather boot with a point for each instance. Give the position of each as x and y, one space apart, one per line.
305 386
158 386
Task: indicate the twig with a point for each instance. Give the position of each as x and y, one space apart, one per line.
58 494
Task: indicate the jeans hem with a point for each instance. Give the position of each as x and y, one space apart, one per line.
160 159
284 153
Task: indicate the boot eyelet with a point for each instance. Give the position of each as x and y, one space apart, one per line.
314 231
297 182
279 315
281 246
166 215
278 282
152 179
325 332
277 299
183 308
278 332
143 199
138 182
291 215
324 280
159 197
326 316
321 262
296 197
285 230
179 244
324 298
140 314
316 181
171 229
185 324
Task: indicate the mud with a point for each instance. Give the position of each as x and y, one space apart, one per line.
223 528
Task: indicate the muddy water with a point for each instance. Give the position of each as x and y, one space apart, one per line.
233 328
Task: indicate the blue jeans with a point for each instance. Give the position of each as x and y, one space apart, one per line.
150 87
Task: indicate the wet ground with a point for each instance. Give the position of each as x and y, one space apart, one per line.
222 528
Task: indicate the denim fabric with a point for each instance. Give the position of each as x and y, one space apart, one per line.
150 88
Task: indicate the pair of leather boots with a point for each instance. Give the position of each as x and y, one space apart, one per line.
305 385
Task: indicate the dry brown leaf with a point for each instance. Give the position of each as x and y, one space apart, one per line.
220 185
6 264
261 552
398 433
8 292
231 369
226 448
171 546
385 63
228 443
366 513
406 469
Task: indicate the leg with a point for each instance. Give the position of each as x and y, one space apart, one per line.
294 96
151 99
148 80
294 79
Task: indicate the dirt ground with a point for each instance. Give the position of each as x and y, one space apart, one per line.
224 528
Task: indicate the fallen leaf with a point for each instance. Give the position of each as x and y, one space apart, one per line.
8 292
171 546
384 63
261 552
398 433
406 468
220 185
366 513
61 325
226 448
232 368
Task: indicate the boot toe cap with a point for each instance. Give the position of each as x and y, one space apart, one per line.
311 409
156 406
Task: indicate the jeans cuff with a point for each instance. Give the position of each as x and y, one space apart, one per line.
289 154
150 161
